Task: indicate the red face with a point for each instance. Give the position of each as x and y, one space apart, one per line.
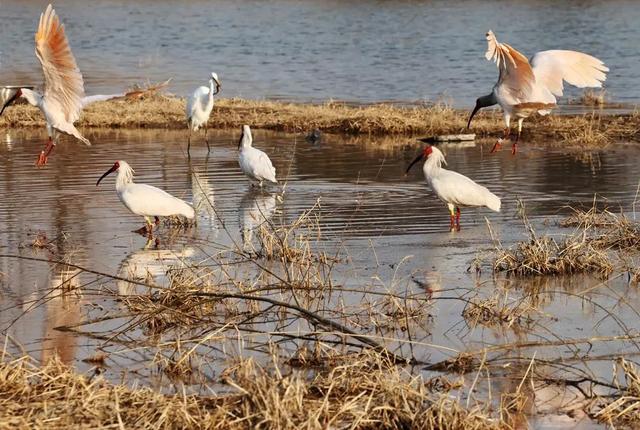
115 167
426 152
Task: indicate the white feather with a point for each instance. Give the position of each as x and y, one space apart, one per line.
253 162
456 189
147 200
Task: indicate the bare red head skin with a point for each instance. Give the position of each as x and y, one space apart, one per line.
113 168
426 152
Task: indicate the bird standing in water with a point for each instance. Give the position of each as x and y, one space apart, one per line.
199 108
524 87
253 162
451 187
146 200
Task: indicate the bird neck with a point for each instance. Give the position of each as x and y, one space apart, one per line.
211 90
433 165
32 97
488 100
125 177
245 142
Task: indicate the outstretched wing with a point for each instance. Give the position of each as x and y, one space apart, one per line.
516 76
581 70
62 78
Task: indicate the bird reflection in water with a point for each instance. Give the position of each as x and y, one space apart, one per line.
63 309
150 265
256 208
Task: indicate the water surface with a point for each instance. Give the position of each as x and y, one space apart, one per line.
389 228
361 51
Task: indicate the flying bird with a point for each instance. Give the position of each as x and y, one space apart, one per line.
253 162
528 86
61 102
451 187
199 108
146 200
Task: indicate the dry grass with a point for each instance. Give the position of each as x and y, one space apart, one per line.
162 112
544 255
499 310
358 392
623 409
606 229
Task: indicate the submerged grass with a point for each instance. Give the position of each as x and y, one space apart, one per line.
359 392
164 112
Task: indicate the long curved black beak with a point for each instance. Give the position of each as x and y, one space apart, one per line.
11 100
218 87
475 110
112 169
240 141
418 158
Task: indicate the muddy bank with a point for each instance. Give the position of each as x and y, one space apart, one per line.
161 112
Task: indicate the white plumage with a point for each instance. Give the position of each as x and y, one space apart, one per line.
253 162
524 87
61 103
146 200
451 187
199 108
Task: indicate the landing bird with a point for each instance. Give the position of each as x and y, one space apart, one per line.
525 87
61 103
253 162
199 108
146 200
451 187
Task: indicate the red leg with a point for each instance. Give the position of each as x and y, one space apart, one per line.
44 154
498 144
452 221
458 219
514 147
157 221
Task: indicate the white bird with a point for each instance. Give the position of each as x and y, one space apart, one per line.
524 87
451 187
146 200
61 103
253 162
199 108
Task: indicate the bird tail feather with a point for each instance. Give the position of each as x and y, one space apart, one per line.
73 131
493 202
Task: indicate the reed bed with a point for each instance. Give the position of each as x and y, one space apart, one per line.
167 112
621 410
270 336
545 255
360 392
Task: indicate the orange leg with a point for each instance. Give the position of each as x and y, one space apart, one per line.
44 154
498 145
452 222
514 147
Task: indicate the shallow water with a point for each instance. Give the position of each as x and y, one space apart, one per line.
390 226
316 50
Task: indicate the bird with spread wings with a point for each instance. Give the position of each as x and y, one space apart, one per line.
526 86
